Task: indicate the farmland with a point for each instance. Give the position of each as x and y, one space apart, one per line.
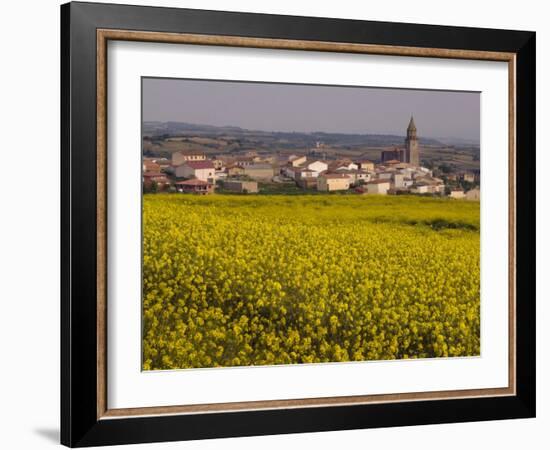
232 280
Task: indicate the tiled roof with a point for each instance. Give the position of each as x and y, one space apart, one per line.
153 174
200 164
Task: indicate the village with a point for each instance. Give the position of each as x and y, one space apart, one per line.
398 171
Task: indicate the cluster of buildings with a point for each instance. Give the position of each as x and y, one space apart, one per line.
193 171
398 171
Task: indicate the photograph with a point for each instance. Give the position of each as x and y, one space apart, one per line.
304 224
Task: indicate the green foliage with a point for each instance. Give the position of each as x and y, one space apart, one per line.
260 280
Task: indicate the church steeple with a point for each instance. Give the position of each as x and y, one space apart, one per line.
412 155
412 126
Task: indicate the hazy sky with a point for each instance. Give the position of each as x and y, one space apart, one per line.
287 107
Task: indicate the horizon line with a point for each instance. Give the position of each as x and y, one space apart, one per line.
313 131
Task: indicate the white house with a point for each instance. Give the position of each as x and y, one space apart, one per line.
333 182
365 164
317 166
356 175
342 165
421 188
457 193
202 170
304 172
380 186
398 180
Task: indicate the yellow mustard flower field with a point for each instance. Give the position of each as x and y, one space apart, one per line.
232 280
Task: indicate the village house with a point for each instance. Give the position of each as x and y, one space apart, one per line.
202 170
195 186
380 186
295 160
365 164
333 182
469 177
150 166
435 185
160 179
398 180
178 158
408 172
473 194
421 188
245 161
235 171
356 176
259 171
227 160
342 165
317 166
456 193
250 187
300 173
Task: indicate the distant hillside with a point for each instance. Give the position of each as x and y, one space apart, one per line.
164 138
174 129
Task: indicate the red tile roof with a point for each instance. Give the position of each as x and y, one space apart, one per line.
153 174
200 164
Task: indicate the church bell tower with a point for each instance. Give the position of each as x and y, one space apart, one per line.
412 155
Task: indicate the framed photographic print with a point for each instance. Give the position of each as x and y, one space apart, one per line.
277 224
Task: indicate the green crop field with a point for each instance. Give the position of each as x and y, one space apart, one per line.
233 280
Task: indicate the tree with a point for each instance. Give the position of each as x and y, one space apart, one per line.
445 168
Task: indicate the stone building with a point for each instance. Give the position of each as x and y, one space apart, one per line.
396 154
333 182
410 154
203 170
181 157
380 186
